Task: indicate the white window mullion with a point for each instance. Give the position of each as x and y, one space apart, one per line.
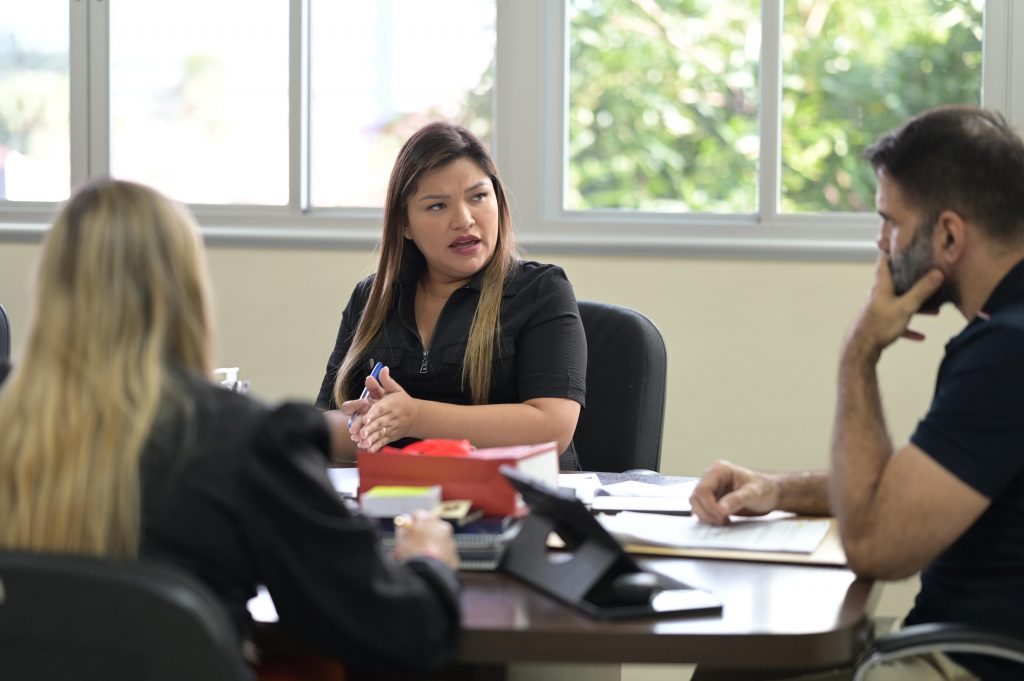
1015 65
99 88
770 115
1003 48
522 64
89 57
554 105
995 47
298 107
78 78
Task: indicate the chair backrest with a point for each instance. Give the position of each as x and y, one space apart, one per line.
69 617
5 336
620 428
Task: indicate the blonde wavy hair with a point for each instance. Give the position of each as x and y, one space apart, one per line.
430 148
121 296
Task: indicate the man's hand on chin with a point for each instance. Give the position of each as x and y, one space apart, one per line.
886 316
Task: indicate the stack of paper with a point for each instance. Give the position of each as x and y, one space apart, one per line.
755 534
662 494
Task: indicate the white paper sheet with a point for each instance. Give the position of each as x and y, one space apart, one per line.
676 504
584 484
588 486
787 535
635 488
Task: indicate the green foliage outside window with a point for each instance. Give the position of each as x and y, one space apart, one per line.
663 105
663 97
852 71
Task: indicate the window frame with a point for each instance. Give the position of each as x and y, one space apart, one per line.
530 103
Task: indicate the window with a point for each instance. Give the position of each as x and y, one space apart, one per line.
664 97
663 105
723 127
852 71
34 132
200 108
378 74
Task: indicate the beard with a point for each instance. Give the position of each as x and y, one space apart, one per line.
915 262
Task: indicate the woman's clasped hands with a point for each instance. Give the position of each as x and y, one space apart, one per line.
386 413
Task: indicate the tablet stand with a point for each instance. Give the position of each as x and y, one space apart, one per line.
586 566
584 573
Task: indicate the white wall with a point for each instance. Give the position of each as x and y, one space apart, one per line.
752 345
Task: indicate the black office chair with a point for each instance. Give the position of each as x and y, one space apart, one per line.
620 428
5 336
946 638
69 617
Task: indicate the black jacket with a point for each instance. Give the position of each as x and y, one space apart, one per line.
238 495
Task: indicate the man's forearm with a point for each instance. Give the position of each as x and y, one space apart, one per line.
804 493
860 444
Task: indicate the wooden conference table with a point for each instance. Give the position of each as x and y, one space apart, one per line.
774 616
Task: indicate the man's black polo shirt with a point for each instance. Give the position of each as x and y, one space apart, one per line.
975 429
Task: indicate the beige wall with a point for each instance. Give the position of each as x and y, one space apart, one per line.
752 345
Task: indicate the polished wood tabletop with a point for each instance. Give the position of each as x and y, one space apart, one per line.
773 615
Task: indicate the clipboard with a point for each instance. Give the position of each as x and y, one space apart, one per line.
590 572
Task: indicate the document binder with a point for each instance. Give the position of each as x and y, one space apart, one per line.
589 574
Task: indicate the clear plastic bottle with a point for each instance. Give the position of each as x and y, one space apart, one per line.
230 379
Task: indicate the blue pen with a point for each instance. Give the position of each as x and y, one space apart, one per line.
366 391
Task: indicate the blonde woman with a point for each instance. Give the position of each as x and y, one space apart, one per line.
477 344
114 443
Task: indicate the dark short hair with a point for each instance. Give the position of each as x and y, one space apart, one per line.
961 158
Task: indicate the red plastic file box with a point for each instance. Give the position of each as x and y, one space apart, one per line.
473 475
